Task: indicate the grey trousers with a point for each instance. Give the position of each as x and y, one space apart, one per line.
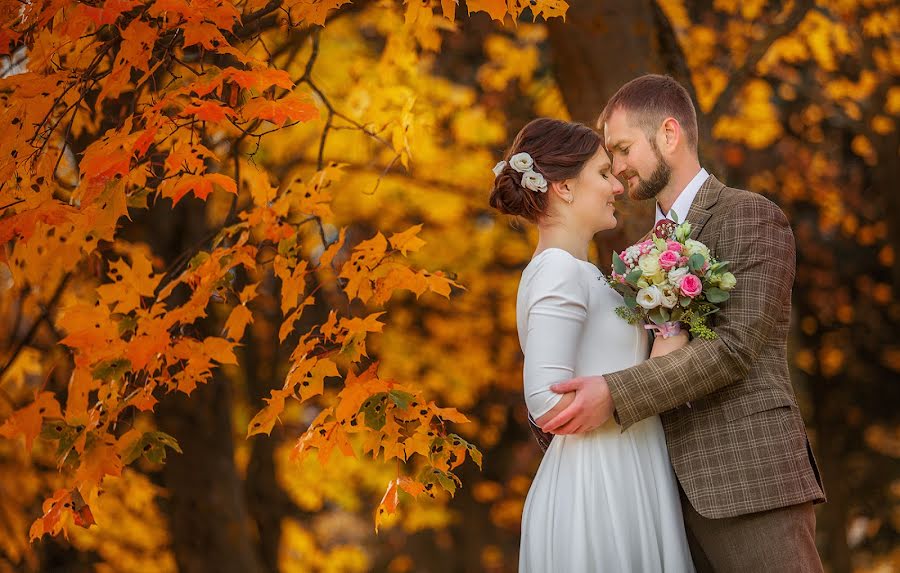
779 540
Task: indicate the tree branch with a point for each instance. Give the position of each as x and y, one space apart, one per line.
739 77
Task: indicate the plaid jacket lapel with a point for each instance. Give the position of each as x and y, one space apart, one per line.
701 209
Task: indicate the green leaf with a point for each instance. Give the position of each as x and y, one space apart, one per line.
721 266
656 316
617 264
633 276
630 300
685 301
400 398
111 369
153 446
716 295
696 262
674 217
374 409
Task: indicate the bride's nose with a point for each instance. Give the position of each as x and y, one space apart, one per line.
617 187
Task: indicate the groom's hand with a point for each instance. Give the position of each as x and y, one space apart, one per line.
591 408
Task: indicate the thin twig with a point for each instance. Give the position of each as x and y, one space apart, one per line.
36 324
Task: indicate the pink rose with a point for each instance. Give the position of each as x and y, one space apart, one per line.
690 286
668 260
682 262
674 246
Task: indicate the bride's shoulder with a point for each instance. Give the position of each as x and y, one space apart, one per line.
553 268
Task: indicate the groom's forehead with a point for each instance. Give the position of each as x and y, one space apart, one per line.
618 129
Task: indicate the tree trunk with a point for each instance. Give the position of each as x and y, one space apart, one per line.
207 511
206 507
600 47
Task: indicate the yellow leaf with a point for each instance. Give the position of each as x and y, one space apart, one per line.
407 240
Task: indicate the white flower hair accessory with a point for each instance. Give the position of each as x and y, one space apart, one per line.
534 181
521 162
524 164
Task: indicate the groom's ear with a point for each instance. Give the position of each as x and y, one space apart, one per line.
670 134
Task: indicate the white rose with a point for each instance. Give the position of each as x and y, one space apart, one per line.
521 162
498 169
534 181
696 248
649 297
727 281
649 264
676 275
669 300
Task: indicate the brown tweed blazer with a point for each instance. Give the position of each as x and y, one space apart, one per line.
740 446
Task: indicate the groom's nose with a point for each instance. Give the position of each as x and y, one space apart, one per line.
618 164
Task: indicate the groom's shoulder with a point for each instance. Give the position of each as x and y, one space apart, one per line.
748 204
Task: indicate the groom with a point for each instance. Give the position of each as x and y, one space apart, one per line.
735 436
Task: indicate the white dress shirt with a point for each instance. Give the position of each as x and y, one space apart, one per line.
684 201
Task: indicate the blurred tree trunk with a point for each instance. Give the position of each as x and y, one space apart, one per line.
588 75
206 507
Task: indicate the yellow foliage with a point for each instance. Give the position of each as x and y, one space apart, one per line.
132 535
757 123
508 60
301 553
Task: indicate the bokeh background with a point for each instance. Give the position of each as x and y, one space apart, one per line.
797 100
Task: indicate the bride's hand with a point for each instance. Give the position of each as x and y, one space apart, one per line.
663 346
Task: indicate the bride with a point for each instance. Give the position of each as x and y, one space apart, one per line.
604 500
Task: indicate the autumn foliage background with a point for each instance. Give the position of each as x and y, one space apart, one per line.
254 305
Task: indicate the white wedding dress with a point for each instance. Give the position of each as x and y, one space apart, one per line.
605 500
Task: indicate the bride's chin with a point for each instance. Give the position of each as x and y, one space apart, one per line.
609 225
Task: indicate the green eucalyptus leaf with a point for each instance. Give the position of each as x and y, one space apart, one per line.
618 264
716 295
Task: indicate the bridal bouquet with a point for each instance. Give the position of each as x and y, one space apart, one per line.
669 280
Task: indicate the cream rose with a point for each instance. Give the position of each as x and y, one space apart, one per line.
521 162
649 297
727 281
676 275
669 299
693 247
649 264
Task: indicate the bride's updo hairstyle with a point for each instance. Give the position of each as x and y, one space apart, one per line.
559 150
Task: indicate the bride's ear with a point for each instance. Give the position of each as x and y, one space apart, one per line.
563 190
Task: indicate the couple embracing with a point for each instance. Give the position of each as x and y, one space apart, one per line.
668 454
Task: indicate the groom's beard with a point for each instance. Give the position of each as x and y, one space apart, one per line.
658 179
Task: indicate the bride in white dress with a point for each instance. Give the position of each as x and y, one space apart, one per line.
604 500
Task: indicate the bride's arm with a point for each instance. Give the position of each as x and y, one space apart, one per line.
556 409
556 316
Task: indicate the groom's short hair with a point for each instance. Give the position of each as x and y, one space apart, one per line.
649 100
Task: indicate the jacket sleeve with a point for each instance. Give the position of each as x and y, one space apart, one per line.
759 243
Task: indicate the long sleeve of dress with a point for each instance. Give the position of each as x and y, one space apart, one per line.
557 305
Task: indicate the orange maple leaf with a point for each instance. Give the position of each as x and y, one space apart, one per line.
279 111
27 421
